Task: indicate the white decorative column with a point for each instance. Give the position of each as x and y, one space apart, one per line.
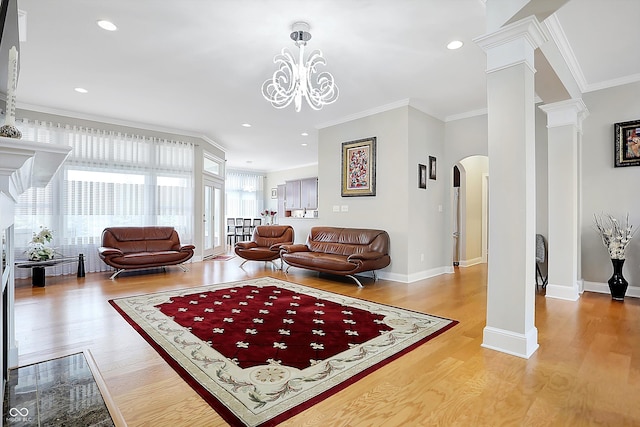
511 129
564 121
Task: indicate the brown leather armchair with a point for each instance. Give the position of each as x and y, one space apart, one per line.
128 248
265 243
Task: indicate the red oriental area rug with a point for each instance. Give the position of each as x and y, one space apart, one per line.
262 350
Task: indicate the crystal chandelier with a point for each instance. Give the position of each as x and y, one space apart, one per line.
293 81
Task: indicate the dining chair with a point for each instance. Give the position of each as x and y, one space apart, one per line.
239 222
247 229
541 254
231 231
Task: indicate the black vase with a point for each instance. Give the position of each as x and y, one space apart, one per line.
618 284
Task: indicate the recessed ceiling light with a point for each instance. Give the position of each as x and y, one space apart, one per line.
455 44
304 134
246 125
107 25
80 90
304 144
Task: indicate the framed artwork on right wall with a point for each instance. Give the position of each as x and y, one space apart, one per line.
627 143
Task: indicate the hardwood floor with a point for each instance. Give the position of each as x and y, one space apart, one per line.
586 371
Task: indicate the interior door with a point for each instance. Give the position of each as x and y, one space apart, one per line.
213 239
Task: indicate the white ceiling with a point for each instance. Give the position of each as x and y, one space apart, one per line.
197 66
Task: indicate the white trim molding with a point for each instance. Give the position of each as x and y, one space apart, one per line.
512 44
521 345
563 113
563 292
471 262
413 277
366 113
603 288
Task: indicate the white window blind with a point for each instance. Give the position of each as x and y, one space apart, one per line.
110 179
245 194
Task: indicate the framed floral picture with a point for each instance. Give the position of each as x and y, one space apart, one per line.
627 143
359 168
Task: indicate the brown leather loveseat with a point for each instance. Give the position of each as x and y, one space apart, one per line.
265 243
343 251
128 248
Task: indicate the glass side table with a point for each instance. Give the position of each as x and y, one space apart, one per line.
38 267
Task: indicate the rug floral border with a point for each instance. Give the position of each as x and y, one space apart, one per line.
235 393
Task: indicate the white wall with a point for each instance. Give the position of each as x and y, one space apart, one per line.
542 181
405 137
388 209
606 189
463 138
425 207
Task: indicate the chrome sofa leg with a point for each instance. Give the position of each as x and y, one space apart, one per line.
375 276
183 268
113 276
356 280
243 262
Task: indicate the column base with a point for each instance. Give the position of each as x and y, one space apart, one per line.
569 293
521 345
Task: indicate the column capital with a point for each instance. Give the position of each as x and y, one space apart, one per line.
512 44
569 112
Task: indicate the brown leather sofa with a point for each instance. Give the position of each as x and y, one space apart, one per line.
343 251
265 243
128 248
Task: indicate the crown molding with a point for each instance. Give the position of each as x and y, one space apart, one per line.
560 38
612 83
467 115
365 113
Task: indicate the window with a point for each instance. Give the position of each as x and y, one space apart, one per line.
213 165
109 179
245 194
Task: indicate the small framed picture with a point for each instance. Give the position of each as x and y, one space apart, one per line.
627 144
422 176
274 193
432 167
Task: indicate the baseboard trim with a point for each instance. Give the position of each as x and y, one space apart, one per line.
603 288
515 344
470 262
413 277
569 293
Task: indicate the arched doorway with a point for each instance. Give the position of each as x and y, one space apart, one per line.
470 211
